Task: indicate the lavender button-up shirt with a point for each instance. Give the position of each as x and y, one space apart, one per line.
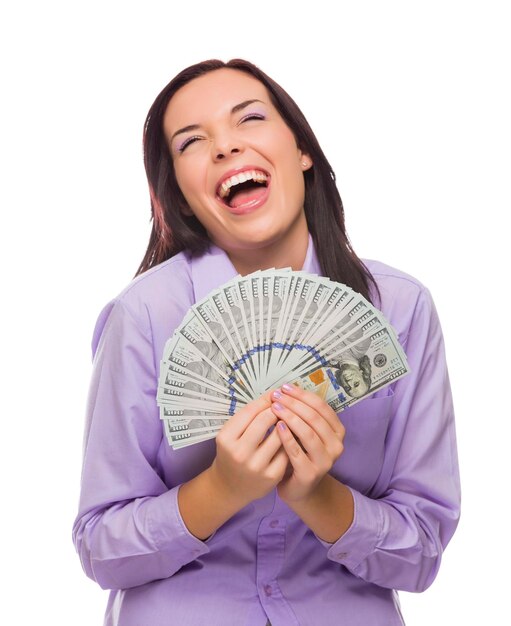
399 461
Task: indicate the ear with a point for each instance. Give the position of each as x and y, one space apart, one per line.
305 161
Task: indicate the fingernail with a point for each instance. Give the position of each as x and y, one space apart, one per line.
276 395
288 387
278 406
281 425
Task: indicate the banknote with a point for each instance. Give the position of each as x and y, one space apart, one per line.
359 370
259 331
205 360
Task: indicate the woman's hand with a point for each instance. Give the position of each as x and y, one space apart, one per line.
249 462
306 417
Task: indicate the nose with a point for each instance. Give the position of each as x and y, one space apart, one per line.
226 146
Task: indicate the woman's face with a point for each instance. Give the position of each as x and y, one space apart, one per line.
237 163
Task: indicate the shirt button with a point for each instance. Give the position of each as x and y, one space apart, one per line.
274 523
268 590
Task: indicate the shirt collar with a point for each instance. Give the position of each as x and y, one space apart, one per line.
214 268
210 270
311 263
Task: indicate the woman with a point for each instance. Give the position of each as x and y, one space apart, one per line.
255 527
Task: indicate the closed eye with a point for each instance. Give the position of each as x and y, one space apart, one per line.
189 140
252 116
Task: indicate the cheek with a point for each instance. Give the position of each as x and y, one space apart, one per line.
293 170
192 183
290 175
184 180
297 185
289 153
279 144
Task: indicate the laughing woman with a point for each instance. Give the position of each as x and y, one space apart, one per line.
250 528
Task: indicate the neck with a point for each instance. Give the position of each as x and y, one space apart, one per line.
291 254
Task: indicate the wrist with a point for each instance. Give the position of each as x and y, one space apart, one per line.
205 504
328 510
311 498
220 489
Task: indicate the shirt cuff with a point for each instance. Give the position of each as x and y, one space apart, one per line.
361 538
169 530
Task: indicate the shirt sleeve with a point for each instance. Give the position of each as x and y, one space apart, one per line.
128 530
397 537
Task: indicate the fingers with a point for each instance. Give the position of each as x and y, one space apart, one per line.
239 422
250 460
291 401
292 448
248 430
304 473
258 428
310 444
315 402
268 449
280 460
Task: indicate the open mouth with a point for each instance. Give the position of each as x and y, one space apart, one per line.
244 189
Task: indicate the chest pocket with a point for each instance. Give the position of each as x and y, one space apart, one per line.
366 426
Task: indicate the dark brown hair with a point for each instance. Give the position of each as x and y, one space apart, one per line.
174 231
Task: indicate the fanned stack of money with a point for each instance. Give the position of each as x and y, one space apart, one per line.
265 329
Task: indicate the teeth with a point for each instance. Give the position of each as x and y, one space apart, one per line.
255 175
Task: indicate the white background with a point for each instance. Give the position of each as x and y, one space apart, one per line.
410 101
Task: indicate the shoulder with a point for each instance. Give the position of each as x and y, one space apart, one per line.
402 296
167 282
155 301
391 278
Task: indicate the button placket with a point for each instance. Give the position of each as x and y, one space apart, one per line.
270 554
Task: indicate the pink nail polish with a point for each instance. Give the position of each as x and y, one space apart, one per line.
278 406
288 387
276 395
281 425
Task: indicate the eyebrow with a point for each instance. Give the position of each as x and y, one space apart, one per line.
235 109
